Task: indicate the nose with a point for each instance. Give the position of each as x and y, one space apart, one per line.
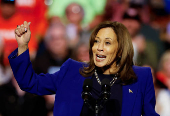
100 47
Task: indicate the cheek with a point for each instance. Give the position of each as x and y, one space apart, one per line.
93 52
93 49
112 50
111 57
112 53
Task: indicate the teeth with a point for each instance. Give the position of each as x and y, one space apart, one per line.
100 58
99 55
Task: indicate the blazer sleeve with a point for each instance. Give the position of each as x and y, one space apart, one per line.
28 80
149 97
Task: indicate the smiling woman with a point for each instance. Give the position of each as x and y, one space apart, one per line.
114 86
105 48
111 51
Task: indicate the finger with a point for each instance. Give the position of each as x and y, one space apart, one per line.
25 23
18 26
25 26
29 23
17 32
22 29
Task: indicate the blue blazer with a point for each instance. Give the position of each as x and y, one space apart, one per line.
138 98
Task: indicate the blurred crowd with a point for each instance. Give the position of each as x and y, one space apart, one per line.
61 29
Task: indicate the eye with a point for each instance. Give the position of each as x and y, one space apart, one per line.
108 43
96 41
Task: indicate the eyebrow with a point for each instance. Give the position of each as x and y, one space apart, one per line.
105 38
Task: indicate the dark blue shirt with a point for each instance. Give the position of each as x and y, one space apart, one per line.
113 106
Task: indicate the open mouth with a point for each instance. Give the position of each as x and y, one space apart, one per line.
100 57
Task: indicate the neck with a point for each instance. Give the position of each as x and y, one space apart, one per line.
111 69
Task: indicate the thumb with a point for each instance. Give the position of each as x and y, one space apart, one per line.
27 25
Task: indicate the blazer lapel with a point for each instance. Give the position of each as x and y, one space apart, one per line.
129 96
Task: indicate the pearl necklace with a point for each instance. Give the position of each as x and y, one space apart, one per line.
111 82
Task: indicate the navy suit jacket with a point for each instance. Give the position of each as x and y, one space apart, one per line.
67 85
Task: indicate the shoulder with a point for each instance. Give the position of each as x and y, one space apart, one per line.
140 69
142 73
69 60
69 69
74 64
144 79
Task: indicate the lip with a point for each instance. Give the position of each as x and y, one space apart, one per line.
100 59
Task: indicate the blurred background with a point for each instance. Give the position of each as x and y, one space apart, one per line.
61 29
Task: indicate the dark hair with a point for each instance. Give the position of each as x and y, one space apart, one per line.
124 56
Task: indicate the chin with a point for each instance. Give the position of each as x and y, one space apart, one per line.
100 64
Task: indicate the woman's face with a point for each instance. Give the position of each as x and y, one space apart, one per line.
105 47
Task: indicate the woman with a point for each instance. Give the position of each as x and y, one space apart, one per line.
111 55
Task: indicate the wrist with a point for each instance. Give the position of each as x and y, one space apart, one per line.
22 49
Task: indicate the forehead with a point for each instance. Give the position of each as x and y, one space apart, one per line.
105 33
